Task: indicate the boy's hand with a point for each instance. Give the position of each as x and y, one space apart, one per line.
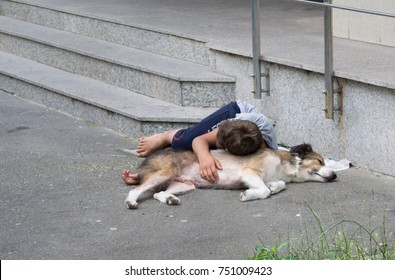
208 168
208 164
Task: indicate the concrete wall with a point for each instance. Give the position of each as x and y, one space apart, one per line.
364 27
363 132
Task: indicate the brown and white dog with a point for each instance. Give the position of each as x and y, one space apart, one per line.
170 173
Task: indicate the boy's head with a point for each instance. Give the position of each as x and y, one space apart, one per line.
239 137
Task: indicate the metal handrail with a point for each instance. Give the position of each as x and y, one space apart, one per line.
256 49
328 61
256 54
359 10
328 39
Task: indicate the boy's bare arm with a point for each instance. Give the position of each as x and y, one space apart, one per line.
208 164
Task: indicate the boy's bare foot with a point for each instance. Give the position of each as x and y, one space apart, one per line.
130 178
150 144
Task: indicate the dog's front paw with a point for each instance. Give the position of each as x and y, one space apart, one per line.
172 200
252 194
131 204
247 195
243 196
276 186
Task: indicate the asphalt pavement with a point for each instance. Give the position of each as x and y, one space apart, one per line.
62 197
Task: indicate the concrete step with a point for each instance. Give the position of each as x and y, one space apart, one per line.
114 107
168 79
111 30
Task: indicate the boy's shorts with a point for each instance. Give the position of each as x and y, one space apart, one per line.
184 137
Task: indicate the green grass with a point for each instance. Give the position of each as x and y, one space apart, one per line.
344 240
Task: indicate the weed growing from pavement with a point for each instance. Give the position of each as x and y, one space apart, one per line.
344 240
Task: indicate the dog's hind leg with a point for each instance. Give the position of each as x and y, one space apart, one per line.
256 188
175 188
154 181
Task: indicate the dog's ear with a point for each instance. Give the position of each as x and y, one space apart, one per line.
302 150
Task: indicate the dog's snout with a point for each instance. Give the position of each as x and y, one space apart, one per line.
332 177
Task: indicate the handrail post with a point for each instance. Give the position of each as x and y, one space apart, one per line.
256 49
328 33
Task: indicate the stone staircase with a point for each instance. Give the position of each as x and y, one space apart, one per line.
130 79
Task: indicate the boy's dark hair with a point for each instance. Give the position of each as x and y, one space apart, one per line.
239 137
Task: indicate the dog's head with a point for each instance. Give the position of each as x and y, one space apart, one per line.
311 165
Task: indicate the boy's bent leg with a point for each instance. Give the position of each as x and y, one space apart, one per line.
150 144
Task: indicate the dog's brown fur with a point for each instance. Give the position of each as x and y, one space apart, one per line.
169 173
